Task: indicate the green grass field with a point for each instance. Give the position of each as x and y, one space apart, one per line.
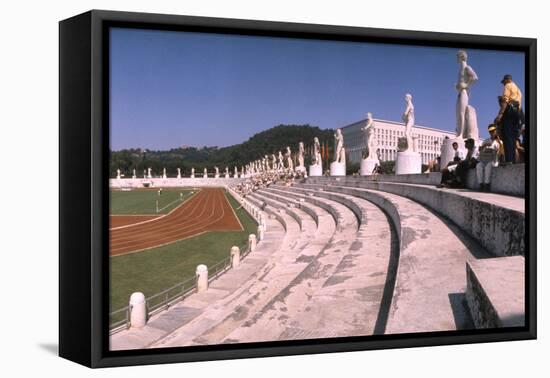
144 201
154 270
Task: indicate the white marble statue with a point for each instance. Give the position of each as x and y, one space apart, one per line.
217 171
163 173
179 173
316 167
339 151
192 172
408 160
280 163
205 173
134 173
144 173
288 155
408 118
273 161
149 175
227 171
370 135
301 151
466 120
236 172
118 174
316 159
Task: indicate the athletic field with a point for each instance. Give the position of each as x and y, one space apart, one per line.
154 255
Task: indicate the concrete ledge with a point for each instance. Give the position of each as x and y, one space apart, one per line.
497 222
420 297
432 178
496 292
173 182
508 179
328 207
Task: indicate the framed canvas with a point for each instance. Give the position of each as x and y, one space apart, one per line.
234 188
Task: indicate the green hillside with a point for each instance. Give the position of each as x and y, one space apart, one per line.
265 142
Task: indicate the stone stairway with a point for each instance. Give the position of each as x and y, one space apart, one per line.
351 256
220 323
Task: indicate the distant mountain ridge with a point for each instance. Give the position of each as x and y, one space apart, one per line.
265 142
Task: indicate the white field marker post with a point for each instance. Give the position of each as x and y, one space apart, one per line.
202 278
251 242
235 256
260 232
138 311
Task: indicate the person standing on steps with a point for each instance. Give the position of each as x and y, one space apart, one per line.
488 158
510 117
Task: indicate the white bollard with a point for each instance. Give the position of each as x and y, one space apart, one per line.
260 233
202 278
251 242
138 310
235 256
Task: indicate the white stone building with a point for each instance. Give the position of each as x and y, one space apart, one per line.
387 133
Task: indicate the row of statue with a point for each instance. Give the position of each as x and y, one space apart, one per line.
408 157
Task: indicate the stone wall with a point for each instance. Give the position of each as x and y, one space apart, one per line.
173 182
508 179
495 292
499 229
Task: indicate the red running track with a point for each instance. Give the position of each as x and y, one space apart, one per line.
208 210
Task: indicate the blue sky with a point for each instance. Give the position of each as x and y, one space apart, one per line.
170 89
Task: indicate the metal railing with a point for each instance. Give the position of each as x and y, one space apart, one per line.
120 319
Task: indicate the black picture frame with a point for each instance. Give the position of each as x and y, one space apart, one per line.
84 142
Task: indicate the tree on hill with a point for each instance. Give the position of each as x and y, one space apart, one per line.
263 143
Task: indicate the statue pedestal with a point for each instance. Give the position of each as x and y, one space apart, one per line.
448 152
367 165
337 169
192 176
316 170
227 175
216 176
408 162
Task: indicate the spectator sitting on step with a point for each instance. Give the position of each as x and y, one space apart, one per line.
458 154
469 162
376 171
488 158
448 174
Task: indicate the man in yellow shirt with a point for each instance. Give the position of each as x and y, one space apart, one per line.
510 117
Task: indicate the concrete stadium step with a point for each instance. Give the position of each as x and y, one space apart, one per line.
430 281
307 222
307 227
308 305
324 222
496 292
164 323
496 221
231 312
349 299
339 212
287 278
317 213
